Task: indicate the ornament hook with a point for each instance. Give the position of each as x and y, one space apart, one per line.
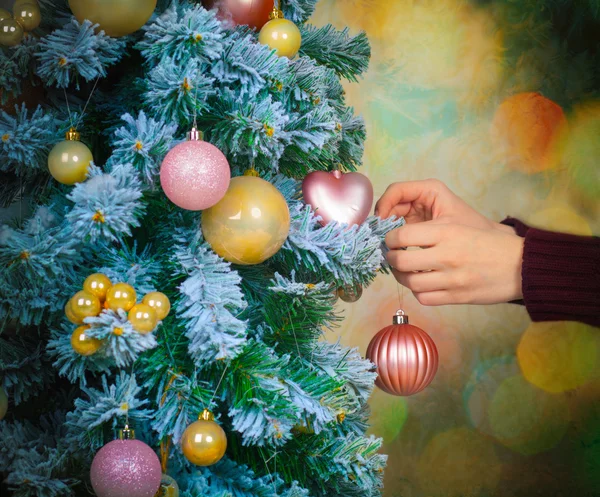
400 317
126 433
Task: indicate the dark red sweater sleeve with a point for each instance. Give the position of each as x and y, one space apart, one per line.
561 275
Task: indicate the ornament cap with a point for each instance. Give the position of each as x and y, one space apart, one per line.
72 135
276 14
400 317
251 172
195 135
206 415
126 433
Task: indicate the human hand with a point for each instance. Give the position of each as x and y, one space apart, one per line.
458 264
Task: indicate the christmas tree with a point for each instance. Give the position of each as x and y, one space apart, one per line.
170 326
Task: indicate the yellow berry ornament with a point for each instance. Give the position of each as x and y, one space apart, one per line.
142 318
120 296
97 284
70 316
70 160
159 302
11 32
281 35
85 304
28 15
83 344
204 442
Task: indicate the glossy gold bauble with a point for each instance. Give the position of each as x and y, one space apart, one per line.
69 161
250 223
85 304
83 344
5 14
70 316
116 17
204 442
168 487
11 32
159 302
97 284
120 296
281 35
28 15
142 318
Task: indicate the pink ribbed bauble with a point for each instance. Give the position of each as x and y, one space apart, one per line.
406 357
126 468
195 175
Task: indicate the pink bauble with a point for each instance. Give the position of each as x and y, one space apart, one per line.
406 358
126 468
195 175
345 198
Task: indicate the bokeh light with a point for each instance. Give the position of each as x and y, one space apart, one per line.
388 415
560 218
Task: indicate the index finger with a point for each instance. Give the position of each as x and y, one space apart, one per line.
404 192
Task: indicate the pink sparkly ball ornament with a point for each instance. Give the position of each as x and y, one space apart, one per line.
406 357
126 467
195 175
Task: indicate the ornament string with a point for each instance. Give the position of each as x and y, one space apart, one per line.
217 387
76 124
294 333
195 124
165 443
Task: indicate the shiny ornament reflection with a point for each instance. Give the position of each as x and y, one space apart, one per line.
120 296
204 442
116 17
159 302
97 284
350 293
70 160
28 15
3 403
254 13
70 316
11 33
83 344
168 487
250 224
142 318
281 35
85 304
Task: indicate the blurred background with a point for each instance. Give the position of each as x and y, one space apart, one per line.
498 99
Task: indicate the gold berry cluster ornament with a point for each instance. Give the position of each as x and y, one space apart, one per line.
70 159
99 293
281 35
204 442
25 17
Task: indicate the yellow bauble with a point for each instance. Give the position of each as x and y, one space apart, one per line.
83 344
5 14
85 304
18 3
11 32
116 17
281 35
204 442
120 296
69 160
142 318
70 316
249 224
28 15
168 487
159 302
97 284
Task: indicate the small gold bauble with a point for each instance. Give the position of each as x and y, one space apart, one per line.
85 304
69 160
83 344
204 442
3 403
249 224
142 318
28 15
168 487
97 284
120 296
160 302
116 17
5 14
350 293
281 35
18 3
70 316
11 32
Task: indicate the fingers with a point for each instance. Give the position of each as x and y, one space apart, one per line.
425 234
405 193
430 281
442 297
406 261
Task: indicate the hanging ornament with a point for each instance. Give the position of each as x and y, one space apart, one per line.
250 223
116 17
281 35
5 14
350 293
120 296
159 302
3 403
168 487
335 196
406 357
70 316
83 344
11 32
254 13
126 467
97 284
85 304
142 318
195 174
204 442
70 159
28 15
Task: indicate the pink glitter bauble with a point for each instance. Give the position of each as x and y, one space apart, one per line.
126 468
195 175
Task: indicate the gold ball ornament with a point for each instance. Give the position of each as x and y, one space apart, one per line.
281 35
204 442
168 487
3 403
69 160
159 302
11 32
28 15
120 296
85 304
142 318
250 223
83 344
5 14
116 17
70 316
18 3
350 293
98 285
